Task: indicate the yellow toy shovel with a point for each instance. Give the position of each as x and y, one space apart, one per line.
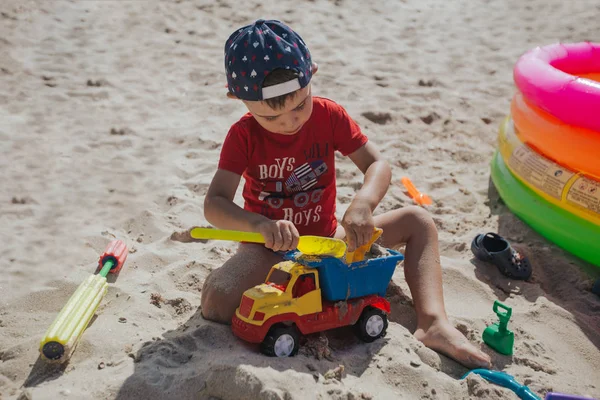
310 245
359 254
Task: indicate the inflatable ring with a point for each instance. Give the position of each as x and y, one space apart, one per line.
573 147
573 234
549 77
556 184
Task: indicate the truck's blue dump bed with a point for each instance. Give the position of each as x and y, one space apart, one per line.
341 281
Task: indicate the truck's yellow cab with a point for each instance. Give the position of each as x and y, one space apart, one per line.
295 290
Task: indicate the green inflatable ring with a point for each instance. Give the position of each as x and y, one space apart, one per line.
576 235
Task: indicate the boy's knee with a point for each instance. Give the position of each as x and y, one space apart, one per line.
218 301
420 217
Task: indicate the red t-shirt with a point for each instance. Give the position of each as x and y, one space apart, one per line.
293 177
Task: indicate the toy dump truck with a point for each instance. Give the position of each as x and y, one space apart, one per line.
308 294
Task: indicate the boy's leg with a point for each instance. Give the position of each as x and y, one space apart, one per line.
224 286
415 227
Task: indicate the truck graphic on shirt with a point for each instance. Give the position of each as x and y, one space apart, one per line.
300 186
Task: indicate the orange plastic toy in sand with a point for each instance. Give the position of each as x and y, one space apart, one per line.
419 198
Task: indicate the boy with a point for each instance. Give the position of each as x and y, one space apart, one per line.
284 147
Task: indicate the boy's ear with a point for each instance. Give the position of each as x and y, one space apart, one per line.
232 96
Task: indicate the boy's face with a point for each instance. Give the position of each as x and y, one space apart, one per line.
287 120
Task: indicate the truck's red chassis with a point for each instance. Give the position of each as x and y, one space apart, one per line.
333 315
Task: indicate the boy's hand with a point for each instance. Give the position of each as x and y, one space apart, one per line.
279 235
358 224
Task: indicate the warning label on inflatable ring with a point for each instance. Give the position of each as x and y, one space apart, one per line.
540 172
564 187
585 193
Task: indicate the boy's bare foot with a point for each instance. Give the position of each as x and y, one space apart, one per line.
441 336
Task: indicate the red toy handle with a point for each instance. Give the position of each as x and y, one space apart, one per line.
117 251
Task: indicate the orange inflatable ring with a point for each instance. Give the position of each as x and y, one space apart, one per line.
570 146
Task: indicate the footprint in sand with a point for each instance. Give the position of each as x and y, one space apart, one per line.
377 117
23 200
120 132
97 83
431 118
429 83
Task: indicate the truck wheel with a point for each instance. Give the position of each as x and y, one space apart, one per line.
371 325
281 341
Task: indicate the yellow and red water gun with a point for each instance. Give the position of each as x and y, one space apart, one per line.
62 336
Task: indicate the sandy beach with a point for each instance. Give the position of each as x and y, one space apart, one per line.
112 116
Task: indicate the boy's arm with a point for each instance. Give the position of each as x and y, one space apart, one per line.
358 219
221 211
378 175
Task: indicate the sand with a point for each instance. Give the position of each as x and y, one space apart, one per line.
112 114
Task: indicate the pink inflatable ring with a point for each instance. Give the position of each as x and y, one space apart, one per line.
549 77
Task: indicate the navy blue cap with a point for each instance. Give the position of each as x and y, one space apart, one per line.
255 50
